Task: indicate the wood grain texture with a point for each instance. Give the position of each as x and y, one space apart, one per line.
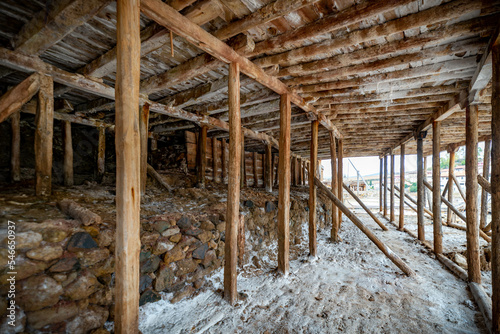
68 154
44 131
15 98
436 192
312 189
333 159
143 133
402 189
420 188
15 153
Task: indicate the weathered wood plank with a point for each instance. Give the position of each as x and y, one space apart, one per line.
333 158
15 153
44 131
436 192
312 189
143 133
402 189
15 98
68 154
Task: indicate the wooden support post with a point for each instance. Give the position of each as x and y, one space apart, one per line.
297 170
276 167
427 195
386 185
292 171
284 185
128 183
201 156
484 194
333 156
303 172
15 153
241 240
386 250
44 130
224 161
268 165
495 188
340 180
382 185
143 132
459 187
254 165
451 172
312 188
368 211
68 154
243 173
233 188
420 187
101 155
215 159
471 127
393 172
402 189
436 183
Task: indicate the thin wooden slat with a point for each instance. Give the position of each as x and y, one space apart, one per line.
128 183
312 189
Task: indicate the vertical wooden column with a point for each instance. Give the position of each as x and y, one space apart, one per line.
294 171
420 187
143 132
243 173
402 189
436 187
451 173
340 181
201 156
101 156
233 187
392 215
255 176
215 159
386 184
224 161
68 154
15 153
303 172
495 187
276 162
427 196
471 127
127 142
299 172
284 185
44 131
333 156
268 165
313 170
484 193
381 185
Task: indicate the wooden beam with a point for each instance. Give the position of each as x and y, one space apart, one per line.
485 185
169 18
420 187
15 153
312 189
243 178
224 161
402 189
16 97
44 131
143 133
451 172
386 250
127 142
268 169
233 192
333 159
340 181
495 187
393 173
284 186
367 210
381 185
473 261
254 167
436 192
385 185
68 154
484 193
201 156
215 159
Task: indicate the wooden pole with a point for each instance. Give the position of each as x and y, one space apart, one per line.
44 131
224 161
451 172
143 132
484 194
275 169
368 211
393 217
243 173
333 155
386 250
284 185
215 159
402 189
202 156
459 187
382 185
15 153
420 188
436 192
303 172
101 155
471 127
292 171
312 189
254 165
411 199
127 142
495 188
233 188
340 175
385 185
68 154
241 240
269 168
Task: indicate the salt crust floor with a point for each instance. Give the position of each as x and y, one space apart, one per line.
351 287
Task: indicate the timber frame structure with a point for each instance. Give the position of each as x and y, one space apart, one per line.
309 79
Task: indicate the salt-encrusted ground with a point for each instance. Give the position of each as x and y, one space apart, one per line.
351 287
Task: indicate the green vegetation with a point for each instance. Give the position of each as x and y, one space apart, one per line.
413 187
